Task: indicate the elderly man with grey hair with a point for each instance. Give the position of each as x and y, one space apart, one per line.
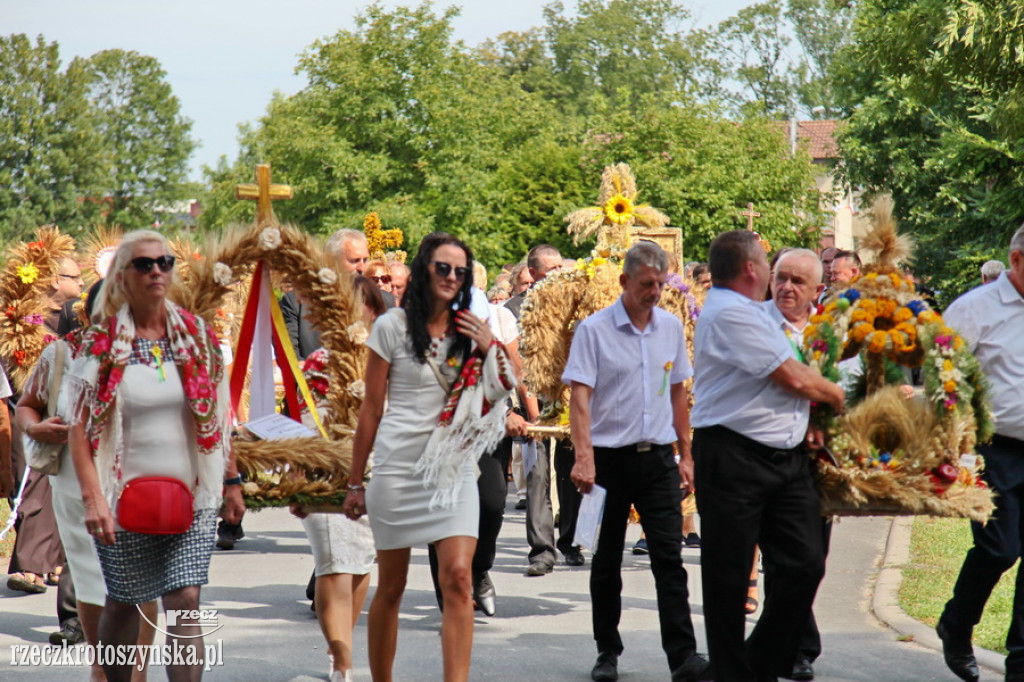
991 320
352 253
991 270
629 406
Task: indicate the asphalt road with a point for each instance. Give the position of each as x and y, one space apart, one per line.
541 631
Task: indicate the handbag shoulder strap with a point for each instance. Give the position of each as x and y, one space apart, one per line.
440 377
56 375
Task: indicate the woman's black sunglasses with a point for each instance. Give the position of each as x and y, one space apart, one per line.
444 269
143 264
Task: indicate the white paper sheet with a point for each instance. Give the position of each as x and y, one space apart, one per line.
588 521
277 427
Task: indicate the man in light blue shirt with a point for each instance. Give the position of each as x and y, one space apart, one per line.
754 484
626 367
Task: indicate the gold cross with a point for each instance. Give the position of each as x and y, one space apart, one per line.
263 193
750 214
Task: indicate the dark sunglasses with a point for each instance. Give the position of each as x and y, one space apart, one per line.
143 264
444 269
382 279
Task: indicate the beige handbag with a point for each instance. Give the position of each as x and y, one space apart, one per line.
45 457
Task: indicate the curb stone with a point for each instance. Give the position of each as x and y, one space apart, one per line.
885 601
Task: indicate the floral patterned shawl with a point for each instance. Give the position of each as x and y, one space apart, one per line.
98 369
467 427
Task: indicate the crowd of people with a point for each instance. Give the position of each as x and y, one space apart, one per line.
135 400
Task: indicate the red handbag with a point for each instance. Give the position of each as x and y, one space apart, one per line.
155 505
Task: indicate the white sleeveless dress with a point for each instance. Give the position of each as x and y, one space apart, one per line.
397 501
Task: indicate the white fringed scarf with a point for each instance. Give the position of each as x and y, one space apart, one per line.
468 426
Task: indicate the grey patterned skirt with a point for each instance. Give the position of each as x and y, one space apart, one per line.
138 568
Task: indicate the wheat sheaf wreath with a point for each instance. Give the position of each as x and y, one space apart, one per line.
24 289
553 309
311 471
895 455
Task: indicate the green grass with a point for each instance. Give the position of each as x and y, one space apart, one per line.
937 550
7 544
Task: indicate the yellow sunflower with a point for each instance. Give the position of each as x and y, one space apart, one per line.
619 210
28 273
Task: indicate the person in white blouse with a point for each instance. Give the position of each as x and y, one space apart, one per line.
991 320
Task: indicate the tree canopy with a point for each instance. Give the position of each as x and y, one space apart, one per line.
101 140
933 101
498 143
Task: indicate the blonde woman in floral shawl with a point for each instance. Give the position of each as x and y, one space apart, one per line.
146 396
441 371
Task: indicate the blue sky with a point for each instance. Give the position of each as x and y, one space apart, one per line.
225 58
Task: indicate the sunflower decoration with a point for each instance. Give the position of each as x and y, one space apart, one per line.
555 306
24 289
892 454
382 243
616 212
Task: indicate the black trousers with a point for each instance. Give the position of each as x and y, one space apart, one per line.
650 481
492 488
750 494
997 546
569 497
810 639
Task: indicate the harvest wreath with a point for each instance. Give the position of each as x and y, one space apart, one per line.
558 303
895 455
24 288
308 471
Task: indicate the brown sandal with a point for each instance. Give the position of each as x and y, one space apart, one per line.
25 582
752 603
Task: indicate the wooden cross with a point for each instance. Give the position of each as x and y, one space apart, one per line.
263 193
750 214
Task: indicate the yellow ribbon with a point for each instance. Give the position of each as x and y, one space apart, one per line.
289 353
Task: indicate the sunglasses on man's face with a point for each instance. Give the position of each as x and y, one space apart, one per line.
444 269
143 264
381 279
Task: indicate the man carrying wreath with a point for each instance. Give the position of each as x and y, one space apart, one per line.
754 485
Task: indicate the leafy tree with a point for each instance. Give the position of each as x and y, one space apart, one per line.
929 124
618 51
146 143
48 146
823 28
702 171
753 47
398 119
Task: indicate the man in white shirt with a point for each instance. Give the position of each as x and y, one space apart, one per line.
753 478
991 320
626 367
796 285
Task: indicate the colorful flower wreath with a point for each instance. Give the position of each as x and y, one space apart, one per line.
882 320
